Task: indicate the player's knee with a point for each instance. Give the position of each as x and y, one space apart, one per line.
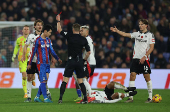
115 96
132 77
111 85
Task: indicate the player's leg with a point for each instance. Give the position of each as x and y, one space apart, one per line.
24 83
48 91
22 67
33 81
149 87
43 80
67 74
78 89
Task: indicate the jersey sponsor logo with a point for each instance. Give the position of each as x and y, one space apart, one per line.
141 40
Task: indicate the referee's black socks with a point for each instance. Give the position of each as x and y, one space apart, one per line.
83 89
62 89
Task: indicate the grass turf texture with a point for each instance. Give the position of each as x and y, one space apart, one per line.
11 100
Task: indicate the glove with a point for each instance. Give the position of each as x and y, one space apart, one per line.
13 57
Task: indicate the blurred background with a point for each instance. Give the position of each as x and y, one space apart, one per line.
112 50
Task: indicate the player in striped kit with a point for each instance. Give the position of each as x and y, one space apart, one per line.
43 47
22 65
144 45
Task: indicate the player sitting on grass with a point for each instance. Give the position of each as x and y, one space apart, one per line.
42 49
108 95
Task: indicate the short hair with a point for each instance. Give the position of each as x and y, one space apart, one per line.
38 20
47 27
85 26
26 26
76 27
144 21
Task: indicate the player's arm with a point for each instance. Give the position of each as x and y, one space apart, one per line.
54 54
25 48
114 29
87 48
15 50
34 50
59 29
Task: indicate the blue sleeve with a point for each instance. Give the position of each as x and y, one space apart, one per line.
53 52
34 50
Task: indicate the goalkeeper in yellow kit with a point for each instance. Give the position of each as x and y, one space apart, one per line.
22 65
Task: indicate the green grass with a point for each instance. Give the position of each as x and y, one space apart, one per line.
11 101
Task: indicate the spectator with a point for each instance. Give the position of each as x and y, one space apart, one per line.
76 5
9 55
2 63
44 17
141 12
3 55
49 4
108 47
160 62
152 27
161 45
123 65
124 26
15 64
118 62
79 18
69 26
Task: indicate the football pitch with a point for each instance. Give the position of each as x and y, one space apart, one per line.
11 100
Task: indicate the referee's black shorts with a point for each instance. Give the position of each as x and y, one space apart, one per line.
140 68
72 65
33 69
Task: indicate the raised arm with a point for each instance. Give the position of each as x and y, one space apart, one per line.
59 29
114 29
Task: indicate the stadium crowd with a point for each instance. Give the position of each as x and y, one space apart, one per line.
111 50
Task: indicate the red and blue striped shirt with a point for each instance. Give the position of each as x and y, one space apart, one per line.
42 48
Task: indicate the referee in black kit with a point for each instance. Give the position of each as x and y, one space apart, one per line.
75 61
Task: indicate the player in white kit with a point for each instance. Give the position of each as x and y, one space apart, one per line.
108 95
144 45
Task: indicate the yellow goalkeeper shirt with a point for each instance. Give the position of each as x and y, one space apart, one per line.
19 46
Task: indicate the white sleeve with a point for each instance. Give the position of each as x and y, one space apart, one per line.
28 40
134 34
112 101
152 39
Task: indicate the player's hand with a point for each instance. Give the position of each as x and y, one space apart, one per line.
23 59
29 67
60 61
113 29
13 57
142 60
58 17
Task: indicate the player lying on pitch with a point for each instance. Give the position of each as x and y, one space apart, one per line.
108 95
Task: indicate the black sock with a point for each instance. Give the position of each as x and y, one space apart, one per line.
83 89
62 89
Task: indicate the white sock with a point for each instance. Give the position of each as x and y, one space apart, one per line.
119 86
112 101
29 87
149 86
131 84
88 87
126 94
48 91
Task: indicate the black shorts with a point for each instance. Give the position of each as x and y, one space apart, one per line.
109 93
33 69
86 72
72 65
140 68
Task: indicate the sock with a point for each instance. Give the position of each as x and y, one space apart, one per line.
83 89
29 87
149 86
131 84
48 91
39 92
62 89
88 87
79 92
43 89
24 84
126 94
112 101
119 86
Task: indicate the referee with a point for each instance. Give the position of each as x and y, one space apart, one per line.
75 61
